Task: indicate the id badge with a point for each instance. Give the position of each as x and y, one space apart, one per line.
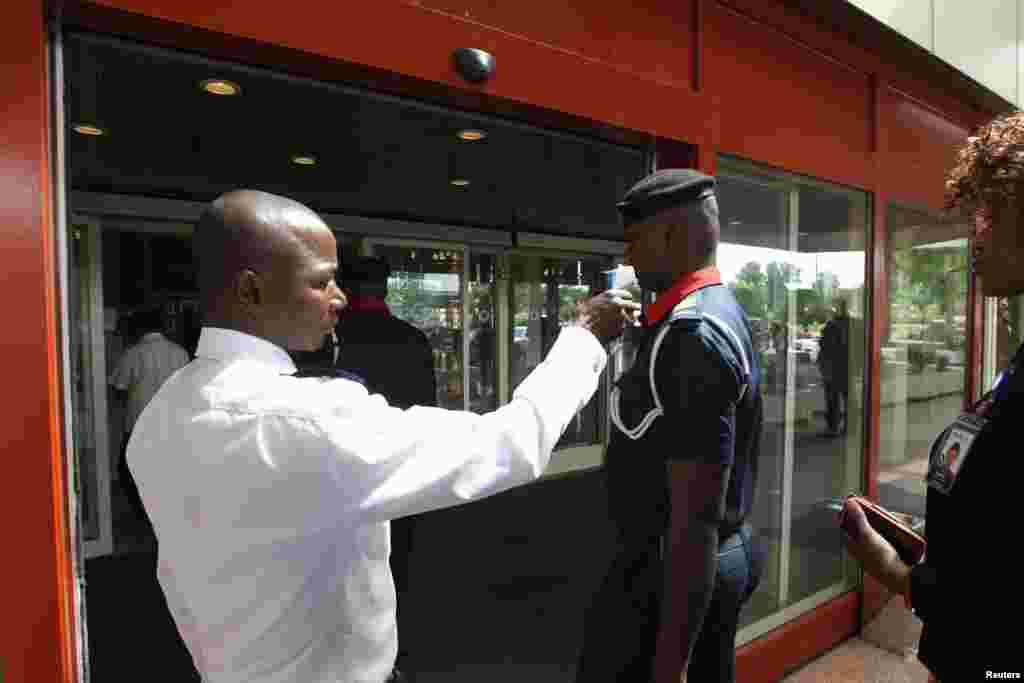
951 449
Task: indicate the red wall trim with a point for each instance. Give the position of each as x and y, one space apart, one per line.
36 582
800 25
769 658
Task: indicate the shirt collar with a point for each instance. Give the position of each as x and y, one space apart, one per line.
151 336
683 287
218 343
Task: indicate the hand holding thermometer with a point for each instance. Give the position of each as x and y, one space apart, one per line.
623 277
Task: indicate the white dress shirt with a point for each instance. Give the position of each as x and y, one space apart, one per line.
143 368
270 496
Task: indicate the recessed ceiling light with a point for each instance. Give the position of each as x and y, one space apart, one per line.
460 182
219 86
471 134
88 129
304 160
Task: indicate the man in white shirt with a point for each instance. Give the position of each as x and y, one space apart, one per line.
270 494
140 372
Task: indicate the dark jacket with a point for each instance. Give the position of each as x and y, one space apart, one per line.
393 356
698 374
967 592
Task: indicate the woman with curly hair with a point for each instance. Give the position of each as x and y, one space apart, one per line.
965 588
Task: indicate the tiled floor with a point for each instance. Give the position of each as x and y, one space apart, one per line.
858 661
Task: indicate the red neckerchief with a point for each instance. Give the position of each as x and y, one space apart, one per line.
683 287
366 304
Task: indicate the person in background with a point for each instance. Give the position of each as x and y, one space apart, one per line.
834 365
140 372
682 458
965 583
390 354
271 493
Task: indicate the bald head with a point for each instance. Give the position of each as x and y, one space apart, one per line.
252 249
244 229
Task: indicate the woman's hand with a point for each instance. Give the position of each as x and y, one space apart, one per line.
875 553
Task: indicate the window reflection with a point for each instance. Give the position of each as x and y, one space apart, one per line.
425 289
793 253
923 351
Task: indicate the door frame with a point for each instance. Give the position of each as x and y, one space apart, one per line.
92 281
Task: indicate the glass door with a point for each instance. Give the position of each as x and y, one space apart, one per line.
793 252
90 436
449 292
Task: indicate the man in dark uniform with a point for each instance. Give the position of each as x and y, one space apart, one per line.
682 458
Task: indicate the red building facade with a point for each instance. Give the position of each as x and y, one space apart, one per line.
811 89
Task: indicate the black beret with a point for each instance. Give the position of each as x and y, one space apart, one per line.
366 270
662 190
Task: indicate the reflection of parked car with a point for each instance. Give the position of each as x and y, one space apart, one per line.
806 346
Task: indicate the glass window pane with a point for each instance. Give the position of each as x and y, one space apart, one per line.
924 349
831 233
793 252
483 340
544 294
425 289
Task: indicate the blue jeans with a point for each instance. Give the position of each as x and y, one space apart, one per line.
622 623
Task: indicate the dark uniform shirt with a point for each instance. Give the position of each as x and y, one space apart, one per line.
967 591
710 412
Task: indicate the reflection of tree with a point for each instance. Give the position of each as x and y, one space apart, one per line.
409 300
751 289
930 283
764 294
780 275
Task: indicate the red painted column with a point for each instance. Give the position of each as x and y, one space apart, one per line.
35 640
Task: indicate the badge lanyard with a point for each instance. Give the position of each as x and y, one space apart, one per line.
952 446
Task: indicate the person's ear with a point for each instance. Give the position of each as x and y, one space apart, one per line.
248 289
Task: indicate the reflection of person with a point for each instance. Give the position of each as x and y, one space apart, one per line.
952 453
966 577
780 341
270 494
681 462
834 365
140 372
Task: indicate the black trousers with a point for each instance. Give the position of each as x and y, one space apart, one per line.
836 397
129 486
622 623
401 551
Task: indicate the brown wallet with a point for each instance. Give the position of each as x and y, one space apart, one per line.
908 543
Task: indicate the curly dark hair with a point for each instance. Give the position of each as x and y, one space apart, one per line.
990 167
